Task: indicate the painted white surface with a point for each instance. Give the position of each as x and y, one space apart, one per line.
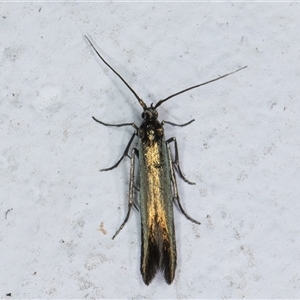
242 151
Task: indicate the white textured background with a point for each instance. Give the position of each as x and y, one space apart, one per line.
242 151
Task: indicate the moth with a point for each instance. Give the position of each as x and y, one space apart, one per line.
157 184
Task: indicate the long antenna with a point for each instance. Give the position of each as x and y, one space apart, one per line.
160 102
141 102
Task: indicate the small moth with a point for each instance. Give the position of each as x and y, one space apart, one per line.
157 185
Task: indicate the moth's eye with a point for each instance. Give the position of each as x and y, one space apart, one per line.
143 115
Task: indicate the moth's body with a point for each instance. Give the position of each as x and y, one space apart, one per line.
158 187
156 203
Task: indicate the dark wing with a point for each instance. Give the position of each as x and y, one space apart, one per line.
158 253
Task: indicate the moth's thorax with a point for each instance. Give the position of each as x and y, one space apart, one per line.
151 129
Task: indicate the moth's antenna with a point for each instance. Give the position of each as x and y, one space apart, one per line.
141 102
160 102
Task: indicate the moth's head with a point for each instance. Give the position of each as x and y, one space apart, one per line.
150 113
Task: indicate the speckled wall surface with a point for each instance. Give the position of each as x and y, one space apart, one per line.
58 212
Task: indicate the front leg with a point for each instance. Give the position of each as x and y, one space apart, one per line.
128 146
124 154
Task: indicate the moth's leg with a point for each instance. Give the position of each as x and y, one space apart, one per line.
175 189
135 204
116 125
176 162
124 154
174 124
128 146
134 152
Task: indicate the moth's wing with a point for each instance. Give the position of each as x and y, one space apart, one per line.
150 256
158 253
156 208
